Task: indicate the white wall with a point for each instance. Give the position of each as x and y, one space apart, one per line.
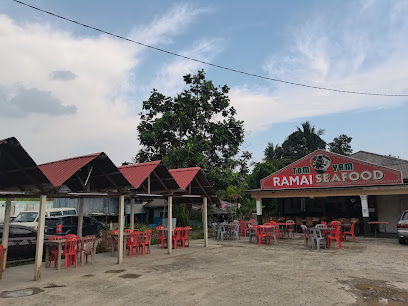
389 209
19 206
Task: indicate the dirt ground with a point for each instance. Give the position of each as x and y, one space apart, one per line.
372 271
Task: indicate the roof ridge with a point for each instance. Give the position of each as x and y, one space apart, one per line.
376 154
140 164
71 158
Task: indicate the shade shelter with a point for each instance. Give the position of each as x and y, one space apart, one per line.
325 174
20 176
92 175
150 180
197 189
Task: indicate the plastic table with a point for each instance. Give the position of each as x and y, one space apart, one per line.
378 223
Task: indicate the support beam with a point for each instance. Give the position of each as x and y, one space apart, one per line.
132 213
6 231
40 238
121 228
365 213
80 216
148 184
169 224
259 210
205 224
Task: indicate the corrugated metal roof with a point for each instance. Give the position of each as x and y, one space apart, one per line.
58 172
184 176
383 160
136 174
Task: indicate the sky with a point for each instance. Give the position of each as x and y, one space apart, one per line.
66 90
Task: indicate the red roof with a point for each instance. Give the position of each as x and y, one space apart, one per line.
58 172
137 173
184 176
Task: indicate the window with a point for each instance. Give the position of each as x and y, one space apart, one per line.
21 232
405 216
55 213
69 212
26 217
162 214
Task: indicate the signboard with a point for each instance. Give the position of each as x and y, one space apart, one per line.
322 169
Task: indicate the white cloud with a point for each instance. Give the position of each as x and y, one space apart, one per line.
103 119
364 52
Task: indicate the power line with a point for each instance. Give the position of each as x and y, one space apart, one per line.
211 64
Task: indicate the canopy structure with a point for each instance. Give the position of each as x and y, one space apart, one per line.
150 178
88 173
18 171
195 184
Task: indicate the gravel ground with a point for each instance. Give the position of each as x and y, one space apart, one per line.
368 272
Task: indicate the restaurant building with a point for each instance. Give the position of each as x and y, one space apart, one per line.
363 186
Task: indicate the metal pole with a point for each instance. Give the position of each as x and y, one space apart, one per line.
132 213
81 216
121 228
40 237
6 230
205 225
169 224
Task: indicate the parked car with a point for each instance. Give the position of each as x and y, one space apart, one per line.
30 217
402 228
70 226
22 242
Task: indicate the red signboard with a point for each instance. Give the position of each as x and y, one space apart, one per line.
325 169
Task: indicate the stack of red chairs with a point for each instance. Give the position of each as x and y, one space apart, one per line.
177 236
133 242
70 251
144 243
184 236
259 234
334 235
243 228
160 236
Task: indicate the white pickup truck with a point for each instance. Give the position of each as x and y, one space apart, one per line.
30 217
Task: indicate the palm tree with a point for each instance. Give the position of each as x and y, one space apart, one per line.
304 141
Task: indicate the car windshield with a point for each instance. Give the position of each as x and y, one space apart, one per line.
26 217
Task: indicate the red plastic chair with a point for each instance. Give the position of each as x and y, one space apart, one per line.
243 228
54 250
290 227
259 233
133 242
351 232
323 222
176 236
128 231
145 242
184 236
334 236
161 237
70 251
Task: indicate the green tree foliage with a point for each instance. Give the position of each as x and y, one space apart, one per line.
304 141
341 145
195 128
182 215
273 152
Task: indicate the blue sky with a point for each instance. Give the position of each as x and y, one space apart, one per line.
70 91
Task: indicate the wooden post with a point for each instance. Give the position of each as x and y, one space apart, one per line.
205 225
132 213
169 224
148 184
40 238
81 216
121 228
6 231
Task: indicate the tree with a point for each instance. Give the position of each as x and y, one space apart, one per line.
304 141
195 128
341 145
272 152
